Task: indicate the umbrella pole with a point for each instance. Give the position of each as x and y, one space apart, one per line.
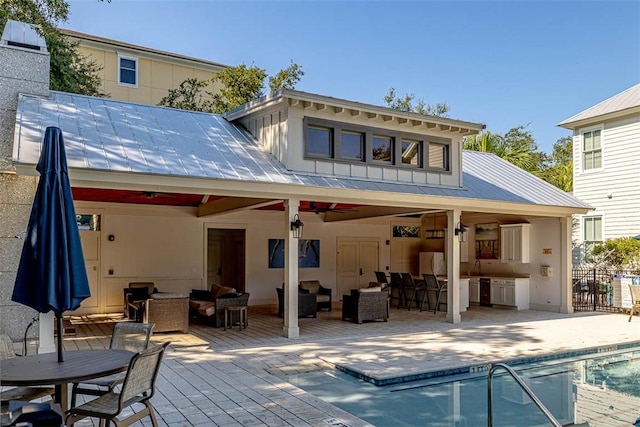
60 332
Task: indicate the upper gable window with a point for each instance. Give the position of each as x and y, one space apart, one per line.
127 70
354 143
438 156
382 148
591 150
351 144
411 152
319 141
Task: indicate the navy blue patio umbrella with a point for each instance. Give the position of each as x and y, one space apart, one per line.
52 274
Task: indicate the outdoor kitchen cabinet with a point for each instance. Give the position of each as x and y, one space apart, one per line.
514 239
510 292
474 290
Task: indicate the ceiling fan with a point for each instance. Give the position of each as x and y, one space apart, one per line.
149 194
322 207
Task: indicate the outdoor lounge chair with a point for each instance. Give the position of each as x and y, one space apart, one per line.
366 304
129 336
307 306
138 387
209 305
18 393
323 295
635 299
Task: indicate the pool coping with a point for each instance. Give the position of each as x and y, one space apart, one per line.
481 367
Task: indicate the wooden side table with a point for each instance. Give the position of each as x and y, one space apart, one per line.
242 316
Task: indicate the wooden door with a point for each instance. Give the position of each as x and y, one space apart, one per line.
357 261
214 260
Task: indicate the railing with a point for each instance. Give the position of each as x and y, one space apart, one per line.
523 386
593 288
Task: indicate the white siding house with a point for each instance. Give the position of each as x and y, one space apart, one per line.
606 167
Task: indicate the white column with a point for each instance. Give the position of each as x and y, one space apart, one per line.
46 343
453 268
566 283
291 328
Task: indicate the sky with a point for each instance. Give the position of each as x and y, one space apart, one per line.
501 63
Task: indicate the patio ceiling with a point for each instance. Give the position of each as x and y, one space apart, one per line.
209 205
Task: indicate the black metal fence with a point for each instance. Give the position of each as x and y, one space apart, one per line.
593 288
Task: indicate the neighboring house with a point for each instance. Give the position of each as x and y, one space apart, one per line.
140 74
606 169
186 199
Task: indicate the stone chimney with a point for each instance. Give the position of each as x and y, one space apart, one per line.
24 68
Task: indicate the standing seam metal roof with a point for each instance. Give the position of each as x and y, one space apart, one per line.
110 135
624 100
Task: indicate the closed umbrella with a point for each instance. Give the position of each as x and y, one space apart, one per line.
52 273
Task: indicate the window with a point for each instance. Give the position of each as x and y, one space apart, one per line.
438 156
127 70
592 231
406 231
591 150
411 152
319 141
351 145
382 148
348 142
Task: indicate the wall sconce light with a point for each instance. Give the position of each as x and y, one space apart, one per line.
461 232
296 227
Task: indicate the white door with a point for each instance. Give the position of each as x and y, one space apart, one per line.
357 261
90 241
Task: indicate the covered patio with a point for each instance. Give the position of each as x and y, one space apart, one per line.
233 377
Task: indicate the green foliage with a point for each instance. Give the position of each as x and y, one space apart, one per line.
70 71
188 96
240 85
405 103
558 167
621 253
517 146
286 78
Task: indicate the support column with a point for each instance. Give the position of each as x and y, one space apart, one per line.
453 268
291 328
46 343
566 282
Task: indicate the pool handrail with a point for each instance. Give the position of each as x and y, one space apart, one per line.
523 386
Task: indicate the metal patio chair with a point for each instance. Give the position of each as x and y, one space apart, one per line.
18 393
409 290
396 291
138 387
130 336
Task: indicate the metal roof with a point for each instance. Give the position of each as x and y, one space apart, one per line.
625 100
109 135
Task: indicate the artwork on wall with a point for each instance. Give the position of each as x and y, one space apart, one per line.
487 239
308 253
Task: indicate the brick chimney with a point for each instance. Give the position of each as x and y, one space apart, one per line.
24 68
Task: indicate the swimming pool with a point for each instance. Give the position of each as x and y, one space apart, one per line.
602 389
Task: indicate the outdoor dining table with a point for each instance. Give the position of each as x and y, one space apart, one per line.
44 369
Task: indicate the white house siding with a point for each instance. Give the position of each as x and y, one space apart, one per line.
615 189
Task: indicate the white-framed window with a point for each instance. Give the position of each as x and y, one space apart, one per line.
592 149
127 70
591 231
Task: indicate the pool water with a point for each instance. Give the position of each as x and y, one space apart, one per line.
601 390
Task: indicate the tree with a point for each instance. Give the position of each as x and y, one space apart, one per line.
621 253
558 167
70 71
517 146
240 85
405 103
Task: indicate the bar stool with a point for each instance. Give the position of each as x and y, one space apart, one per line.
396 285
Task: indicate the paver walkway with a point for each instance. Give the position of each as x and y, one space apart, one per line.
232 378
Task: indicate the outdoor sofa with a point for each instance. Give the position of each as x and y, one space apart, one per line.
209 305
